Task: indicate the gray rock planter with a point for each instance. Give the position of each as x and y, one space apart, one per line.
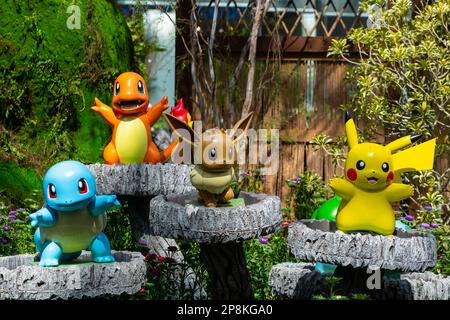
318 240
141 179
220 232
302 281
354 253
20 279
171 217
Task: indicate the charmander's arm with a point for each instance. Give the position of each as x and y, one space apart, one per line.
343 188
106 112
398 191
157 110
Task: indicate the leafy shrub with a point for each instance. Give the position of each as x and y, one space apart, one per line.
401 84
16 233
262 255
307 193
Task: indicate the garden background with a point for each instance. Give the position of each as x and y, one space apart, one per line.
297 75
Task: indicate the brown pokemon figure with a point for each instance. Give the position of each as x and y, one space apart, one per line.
212 175
132 121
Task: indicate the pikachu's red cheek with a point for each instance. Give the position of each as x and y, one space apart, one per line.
351 174
390 176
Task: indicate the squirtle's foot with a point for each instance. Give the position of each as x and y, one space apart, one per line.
104 259
49 263
101 250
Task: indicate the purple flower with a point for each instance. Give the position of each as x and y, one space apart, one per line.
12 219
428 207
6 228
263 240
244 173
263 179
409 217
21 209
434 225
425 226
4 240
11 213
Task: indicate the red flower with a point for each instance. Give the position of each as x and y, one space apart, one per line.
161 259
150 256
141 292
155 271
286 223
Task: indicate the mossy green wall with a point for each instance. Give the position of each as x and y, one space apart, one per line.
49 76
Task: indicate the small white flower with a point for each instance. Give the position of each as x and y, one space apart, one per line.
198 29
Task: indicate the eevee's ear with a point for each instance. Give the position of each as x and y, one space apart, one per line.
181 128
241 127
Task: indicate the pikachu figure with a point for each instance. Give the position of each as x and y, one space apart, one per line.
372 180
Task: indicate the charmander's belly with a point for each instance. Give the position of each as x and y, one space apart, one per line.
74 231
131 140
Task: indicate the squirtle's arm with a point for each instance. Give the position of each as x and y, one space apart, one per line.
100 204
398 191
44 217
157 110
343 188
106 112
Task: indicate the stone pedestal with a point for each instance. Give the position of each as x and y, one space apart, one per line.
220 232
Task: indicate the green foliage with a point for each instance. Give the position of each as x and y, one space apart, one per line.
164 274
118 229
16 233
307 193
402 82
262 256
442 234
251 181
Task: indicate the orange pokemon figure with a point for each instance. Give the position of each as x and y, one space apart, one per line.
132 121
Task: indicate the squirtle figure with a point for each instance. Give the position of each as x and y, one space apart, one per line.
73 217
132 120
372 180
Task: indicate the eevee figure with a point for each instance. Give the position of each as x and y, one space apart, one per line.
212 175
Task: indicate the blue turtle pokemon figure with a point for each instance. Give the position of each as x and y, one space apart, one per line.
73 217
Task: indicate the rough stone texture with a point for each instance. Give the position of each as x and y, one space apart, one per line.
295 281
171 217
301 281
417 286
19 279
141 179
412 251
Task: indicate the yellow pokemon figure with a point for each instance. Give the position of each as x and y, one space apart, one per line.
369 188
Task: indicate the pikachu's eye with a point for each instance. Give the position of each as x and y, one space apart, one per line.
230 153
385 167
212 154
360 165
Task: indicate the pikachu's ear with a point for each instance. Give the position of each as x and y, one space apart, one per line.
420 157
402 142
181 128
350 130
241 127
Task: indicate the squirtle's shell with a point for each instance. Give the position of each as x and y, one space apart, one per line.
74 230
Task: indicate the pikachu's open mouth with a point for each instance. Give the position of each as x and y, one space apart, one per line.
372 180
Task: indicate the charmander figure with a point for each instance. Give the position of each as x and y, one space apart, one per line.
372 180
132 121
